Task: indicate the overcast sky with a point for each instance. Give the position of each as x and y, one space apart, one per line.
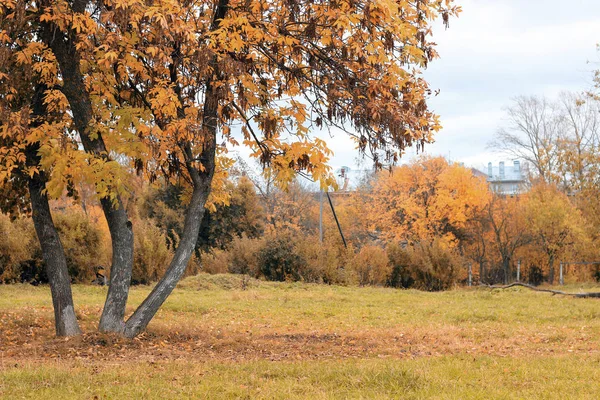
496 50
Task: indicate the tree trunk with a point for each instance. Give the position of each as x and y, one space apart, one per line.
54 258
193 219
53 253
121 234
482 277
506 269
64 48
551 270
146 311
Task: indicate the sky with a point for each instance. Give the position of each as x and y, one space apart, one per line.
497 50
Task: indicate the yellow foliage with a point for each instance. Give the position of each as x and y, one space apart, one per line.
427 199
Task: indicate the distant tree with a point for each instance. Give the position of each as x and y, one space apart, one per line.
478 247
427 199
553 222
242 215
579 143
534 125
509 229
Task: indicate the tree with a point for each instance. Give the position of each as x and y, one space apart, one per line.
509 228
478 246
427 199
553 221
29 120
153 85
531 134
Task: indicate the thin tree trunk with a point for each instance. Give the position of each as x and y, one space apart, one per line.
69 60
53 253
551 269
506 269
482 277
146 311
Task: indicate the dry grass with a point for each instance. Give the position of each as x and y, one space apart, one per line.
317 341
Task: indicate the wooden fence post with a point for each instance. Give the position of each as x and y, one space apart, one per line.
470 274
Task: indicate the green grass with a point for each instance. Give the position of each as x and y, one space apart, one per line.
278 340
457 377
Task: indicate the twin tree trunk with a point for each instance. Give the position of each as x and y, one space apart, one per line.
112 320
64 48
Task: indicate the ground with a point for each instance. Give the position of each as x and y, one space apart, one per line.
215 338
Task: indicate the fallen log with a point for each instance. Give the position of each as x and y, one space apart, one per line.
554 292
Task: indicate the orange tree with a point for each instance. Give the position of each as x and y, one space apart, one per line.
156 86
554 222
508 222
427 199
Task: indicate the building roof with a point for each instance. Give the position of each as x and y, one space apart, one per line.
503 172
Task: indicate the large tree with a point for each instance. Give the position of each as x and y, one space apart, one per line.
155 87
426 200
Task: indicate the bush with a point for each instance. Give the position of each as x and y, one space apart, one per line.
243 256
325 263
278 260
535 275
400 261
433 266
215 262
151 255
82 242
371 266
21 257
17 247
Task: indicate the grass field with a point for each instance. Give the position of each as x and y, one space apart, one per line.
214 340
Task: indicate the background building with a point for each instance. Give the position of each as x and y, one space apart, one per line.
506 179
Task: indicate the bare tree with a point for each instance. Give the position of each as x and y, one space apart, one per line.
533 127
579 162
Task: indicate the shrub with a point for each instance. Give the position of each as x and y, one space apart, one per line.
433 266
151 253
400 261
279 261
17 247
535 275
371 266
243 255
215 262
326 262
83 245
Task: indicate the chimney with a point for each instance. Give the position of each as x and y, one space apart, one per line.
501 169
490 170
